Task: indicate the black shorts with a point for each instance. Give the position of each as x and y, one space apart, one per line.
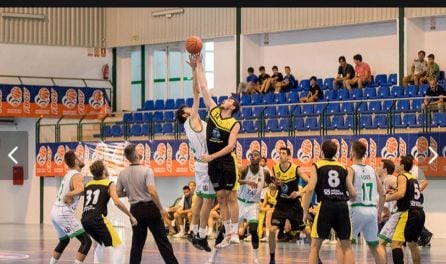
414 225
101 230
223 173
293 212
332 214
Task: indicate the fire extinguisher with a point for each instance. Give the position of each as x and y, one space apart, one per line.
105 72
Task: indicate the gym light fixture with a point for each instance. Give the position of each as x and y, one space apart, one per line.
168 13
23 15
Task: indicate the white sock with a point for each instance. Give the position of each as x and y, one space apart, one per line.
118 254
78 261
53 260
256 253
214 254
182 229
234 228
202 232
194 229
227 224
99 253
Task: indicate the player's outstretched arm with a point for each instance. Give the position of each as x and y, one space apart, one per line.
202 83
350 188
119 204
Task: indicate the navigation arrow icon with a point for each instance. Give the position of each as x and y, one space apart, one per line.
435 155
12 152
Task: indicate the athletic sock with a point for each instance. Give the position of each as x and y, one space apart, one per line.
53 260
227 224
99 254
398 256
194 229
202 232
118 254
234 228
256 253
214 254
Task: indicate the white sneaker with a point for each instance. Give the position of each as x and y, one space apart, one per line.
235 239
248 239
179 235
225 243
264 239
210 261
256 261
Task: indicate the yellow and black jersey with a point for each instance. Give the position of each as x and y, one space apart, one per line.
96 199
271 199
289 182
412 197
331 180
218 130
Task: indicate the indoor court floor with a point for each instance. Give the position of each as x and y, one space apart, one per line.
33 244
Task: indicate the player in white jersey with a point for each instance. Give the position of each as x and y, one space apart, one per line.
252 180
195 130
367 206
62 214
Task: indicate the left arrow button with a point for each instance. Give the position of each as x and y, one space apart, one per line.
12 152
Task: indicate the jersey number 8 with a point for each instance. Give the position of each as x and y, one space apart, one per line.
333 178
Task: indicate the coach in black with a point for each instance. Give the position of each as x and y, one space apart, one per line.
138 184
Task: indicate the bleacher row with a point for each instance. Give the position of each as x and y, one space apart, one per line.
283 112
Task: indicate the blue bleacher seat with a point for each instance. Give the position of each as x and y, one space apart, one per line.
397 122
190 101
393 79
328 83
334 107
403 105
273 125
269 98
169 116
245 100
136 130
149 105
167 128
311 123
330 95
326 124
320 82
215 99
169 104
202 104
318 108
284 124
380 121
159 104
441 77
283 111
348 122
365 121
396 91
157 128
158 117
307 109
299 124
420 121
296 110
347 107
127 117
138 117
107 131
304 85
248 126
337 122
293 97
281 98
343 94
383 92
380 79
423 90
361 106
145 130
370 92
410 91
417 104
179 102
303 94
203 114
439 119
270 111
116 131
148 116
409 120
257 99
375 106
387 105
246 112
356 94
222 98
257 111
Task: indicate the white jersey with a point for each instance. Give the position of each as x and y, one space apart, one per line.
246 193
65 188
197 139
365 185
390 182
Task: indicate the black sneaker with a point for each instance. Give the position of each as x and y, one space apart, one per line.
202 243
190 237
285 238
272 262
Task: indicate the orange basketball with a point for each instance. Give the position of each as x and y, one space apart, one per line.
193 44
422 145
392 145
307 147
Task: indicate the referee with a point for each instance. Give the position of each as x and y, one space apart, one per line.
138 184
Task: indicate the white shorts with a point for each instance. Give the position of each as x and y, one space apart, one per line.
388 229
65 222
204 185
365 221
248 212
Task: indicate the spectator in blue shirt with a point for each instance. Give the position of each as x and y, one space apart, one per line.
251 84
288 82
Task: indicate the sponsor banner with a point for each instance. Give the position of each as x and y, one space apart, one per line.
175 158
36 101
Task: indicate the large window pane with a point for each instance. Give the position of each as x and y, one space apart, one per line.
136 65
159 74
159 91
175 74
136 96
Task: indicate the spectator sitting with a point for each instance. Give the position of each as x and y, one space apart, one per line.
250 86
184 211
315 92
433 70
434 90
263 76
363 74
169 217
288 82
417 71
345 72
271 82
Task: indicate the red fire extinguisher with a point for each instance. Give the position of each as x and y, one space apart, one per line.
105 71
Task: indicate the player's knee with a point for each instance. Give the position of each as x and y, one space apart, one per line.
85 243
63 243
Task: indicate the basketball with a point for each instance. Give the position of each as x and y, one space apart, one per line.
193 44
392 146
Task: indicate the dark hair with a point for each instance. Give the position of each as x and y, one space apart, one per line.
389 166
275 67
261 68
288 67
407 162
422 51
97 169
431 56
250 69
264 158
329 149
359 149
313 78
288 151
236 104
70 158
357 57
185 187
130 153
342 58
180 113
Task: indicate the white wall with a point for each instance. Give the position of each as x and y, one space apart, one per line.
124 79
414 40
316 52
434 40
224 66
252 54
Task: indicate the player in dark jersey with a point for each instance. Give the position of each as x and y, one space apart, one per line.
97 194
288 206
330 180
221 137
409 202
